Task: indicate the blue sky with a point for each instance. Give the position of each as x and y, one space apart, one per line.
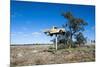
29 19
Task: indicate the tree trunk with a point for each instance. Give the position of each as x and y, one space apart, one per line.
71 41
79 45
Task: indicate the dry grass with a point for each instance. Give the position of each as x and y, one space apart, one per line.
39 55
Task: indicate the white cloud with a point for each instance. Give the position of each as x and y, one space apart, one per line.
16 33
36 33
25 35
19 32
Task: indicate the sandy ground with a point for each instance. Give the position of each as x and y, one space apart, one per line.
42 54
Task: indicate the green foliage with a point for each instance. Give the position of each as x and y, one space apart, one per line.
61 46
80 39
51 47
73 26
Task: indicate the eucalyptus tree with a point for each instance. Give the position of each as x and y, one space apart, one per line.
73 26
80 39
